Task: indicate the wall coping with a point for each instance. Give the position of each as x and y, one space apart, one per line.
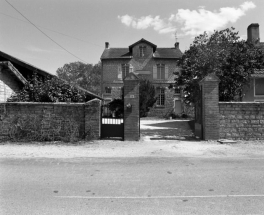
241 102
43 103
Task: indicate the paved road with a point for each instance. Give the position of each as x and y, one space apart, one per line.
135 185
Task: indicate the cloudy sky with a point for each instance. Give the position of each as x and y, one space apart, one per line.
76 30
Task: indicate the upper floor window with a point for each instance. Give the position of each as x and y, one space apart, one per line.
125 70
142 51
160 71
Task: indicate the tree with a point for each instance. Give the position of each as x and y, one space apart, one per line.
87 76
49 90
146 96
232 59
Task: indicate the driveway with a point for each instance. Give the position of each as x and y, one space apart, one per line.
160 129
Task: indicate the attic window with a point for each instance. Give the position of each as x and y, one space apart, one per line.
142 51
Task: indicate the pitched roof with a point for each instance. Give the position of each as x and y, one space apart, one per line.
126 53
13 71
167 53
144 41
20 63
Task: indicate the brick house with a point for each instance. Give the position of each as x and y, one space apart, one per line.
14 73
255 92
147 61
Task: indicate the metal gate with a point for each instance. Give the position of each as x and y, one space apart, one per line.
112 123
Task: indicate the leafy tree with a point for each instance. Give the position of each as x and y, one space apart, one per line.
87 76
233 60
146 96
49 90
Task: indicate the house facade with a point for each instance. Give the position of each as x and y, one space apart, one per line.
255 91
147 61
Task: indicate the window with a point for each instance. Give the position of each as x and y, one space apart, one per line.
108 90
177 90
259 86
161 97
125 70
142 51
160 71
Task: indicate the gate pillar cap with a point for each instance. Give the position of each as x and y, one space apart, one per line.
211 77
131 77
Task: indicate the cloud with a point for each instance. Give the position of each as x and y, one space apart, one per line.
196 22
160 25
192 22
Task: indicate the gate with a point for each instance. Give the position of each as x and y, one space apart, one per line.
112 123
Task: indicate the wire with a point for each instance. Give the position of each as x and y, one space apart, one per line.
53 30
46 34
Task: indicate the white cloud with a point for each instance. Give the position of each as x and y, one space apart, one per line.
196 22
193 22
144 22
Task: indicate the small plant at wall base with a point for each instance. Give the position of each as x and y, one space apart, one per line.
147 97
223 53
49 90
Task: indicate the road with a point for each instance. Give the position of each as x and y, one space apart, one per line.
132 185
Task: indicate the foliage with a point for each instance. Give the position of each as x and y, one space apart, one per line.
223 53
87 76
49 90
117 106
146 97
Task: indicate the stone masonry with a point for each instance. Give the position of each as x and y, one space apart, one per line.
242 120
50 121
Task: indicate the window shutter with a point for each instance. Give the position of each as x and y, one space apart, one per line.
166 72
155 72
119 72
131 69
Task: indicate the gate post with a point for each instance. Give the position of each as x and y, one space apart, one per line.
131 108
210 107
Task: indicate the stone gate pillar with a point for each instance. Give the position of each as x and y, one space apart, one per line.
131 108
210 107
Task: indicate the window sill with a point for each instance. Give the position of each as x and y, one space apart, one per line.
160 107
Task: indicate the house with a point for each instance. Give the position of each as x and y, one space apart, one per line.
147 61
255 91
14 74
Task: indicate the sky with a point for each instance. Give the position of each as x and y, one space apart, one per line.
76 30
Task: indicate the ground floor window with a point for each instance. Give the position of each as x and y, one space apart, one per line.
108 90
259 86
161 97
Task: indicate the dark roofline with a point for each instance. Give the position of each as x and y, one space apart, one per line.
24 64
145 41
13 69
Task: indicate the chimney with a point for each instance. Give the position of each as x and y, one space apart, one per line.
176 45
253 33
106 45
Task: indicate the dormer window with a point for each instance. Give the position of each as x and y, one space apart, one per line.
142 51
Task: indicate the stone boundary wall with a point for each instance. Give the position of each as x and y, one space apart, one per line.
50 121
241 120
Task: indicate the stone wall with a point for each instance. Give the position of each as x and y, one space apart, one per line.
241 120
50 121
